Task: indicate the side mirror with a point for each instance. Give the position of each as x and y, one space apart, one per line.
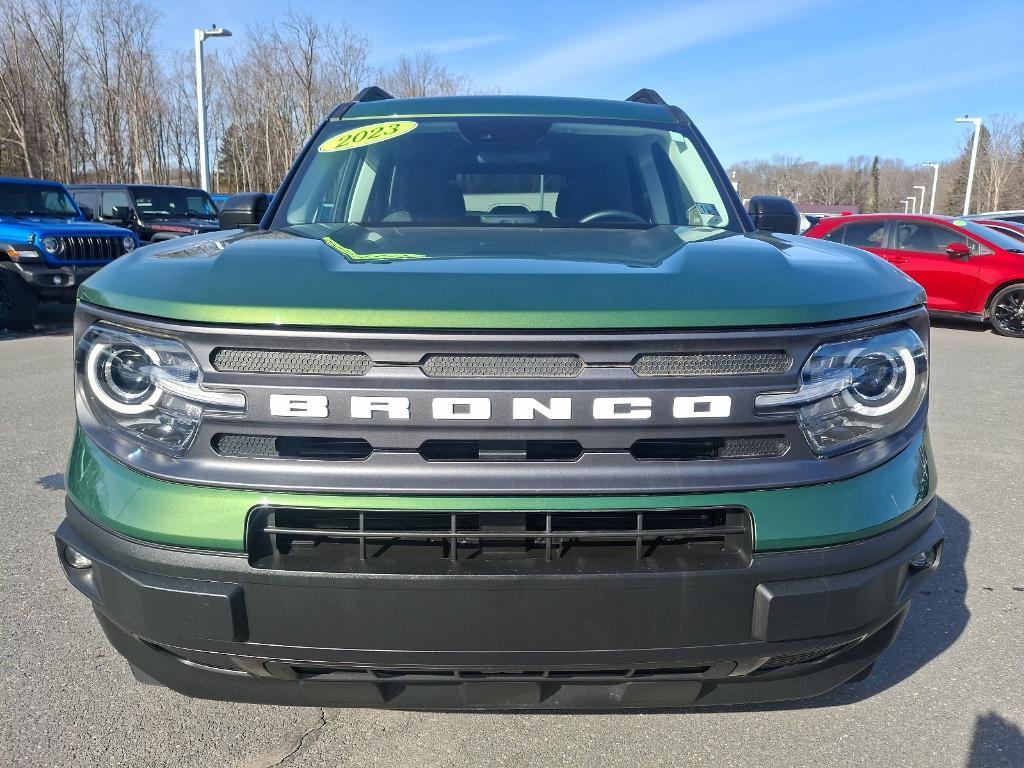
122 213
87 213
958 251
244 210
774 214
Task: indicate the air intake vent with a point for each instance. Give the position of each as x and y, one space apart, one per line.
269 447
712 364
501 450
277 361
503 366
690 448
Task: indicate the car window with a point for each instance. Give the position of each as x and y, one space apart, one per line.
1014 233
112 198
154 202
30 199
859 234
85 197
922 237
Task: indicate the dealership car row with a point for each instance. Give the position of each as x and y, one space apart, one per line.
52 237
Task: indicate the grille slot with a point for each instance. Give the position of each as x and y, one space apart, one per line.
712 364
691 448
302 539
503 366
283 361
501 450
802 657
270 447
83 248
327 672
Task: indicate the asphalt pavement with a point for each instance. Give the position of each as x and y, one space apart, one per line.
948 694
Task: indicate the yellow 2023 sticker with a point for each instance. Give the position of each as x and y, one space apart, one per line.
366 135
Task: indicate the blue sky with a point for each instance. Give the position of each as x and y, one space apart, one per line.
821 79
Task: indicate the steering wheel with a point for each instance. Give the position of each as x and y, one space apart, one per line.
613 213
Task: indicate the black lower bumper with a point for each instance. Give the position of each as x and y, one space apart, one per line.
791 625
53 282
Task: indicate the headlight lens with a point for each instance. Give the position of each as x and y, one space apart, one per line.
128 243
147 388
51 245
856 392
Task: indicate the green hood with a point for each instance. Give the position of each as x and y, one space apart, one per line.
493 278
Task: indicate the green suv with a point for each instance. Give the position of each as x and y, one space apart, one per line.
505 402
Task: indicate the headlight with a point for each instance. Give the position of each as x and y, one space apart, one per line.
147 388
51 245
128 243
856 392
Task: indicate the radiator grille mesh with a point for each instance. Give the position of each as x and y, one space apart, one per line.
503 366
279 361
712 364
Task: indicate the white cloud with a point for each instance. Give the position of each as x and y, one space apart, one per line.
442 47
658 34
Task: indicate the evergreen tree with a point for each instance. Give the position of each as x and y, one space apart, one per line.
872 206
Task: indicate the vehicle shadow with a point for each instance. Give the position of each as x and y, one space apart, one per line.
975 326
51 320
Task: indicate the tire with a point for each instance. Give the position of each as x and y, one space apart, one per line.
1006 311
18 303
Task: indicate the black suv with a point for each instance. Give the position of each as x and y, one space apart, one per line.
153 212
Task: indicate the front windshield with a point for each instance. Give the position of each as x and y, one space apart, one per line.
158 202
36 200
504 172
993 236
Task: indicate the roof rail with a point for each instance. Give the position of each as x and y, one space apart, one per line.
372 93
648 96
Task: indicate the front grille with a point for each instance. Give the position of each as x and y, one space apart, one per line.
80 248
280 361
503 366
712 364
338 540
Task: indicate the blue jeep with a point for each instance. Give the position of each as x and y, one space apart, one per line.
47 247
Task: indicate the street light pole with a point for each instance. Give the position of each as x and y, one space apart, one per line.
913 204
935 183
905 204
204 154
920 207
976 121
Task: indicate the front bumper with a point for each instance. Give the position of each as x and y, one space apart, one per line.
791 625
53 282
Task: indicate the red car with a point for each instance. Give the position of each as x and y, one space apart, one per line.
967 269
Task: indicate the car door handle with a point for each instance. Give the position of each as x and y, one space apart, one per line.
896 259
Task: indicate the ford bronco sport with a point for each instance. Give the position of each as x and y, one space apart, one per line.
505 403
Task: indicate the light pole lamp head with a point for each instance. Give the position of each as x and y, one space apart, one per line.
976 121
213 31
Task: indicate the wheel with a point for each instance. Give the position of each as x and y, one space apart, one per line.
1006 311
18 303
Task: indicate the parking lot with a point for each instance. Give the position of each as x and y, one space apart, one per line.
947 694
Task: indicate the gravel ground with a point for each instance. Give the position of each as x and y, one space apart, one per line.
947 694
